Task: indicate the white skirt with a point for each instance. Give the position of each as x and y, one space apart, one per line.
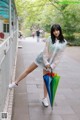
40 62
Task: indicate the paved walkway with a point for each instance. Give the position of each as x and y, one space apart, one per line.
28 95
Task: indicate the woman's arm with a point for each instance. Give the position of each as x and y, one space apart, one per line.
58 56
46 53
56 60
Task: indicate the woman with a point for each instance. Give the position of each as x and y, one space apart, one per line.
48 59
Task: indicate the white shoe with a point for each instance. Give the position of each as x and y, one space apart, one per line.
12 85
45 102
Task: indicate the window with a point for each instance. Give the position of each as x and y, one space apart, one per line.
6 28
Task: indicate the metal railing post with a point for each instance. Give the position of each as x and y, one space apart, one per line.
10 20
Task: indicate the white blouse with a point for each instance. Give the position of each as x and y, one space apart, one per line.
51 53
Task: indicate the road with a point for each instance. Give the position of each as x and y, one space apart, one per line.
29 93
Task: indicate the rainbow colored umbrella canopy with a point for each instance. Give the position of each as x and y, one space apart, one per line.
51 81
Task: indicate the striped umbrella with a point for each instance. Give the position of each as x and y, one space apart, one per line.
51 81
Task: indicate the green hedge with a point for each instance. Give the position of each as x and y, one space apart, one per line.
73 40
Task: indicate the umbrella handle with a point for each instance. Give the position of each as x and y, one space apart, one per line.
51 72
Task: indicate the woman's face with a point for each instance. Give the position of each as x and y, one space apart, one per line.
56 33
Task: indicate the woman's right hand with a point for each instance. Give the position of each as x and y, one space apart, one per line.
48 66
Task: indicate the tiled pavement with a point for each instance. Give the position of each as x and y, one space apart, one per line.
27 98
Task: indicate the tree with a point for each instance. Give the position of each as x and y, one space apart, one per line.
44 13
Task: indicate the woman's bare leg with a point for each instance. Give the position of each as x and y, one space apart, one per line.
32 67
45 90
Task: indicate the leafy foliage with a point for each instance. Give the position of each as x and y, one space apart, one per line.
43 13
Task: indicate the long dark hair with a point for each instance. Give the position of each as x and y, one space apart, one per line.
60 37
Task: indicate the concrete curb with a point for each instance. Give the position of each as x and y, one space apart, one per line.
8 107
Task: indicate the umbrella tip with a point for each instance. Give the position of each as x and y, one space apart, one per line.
52 108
